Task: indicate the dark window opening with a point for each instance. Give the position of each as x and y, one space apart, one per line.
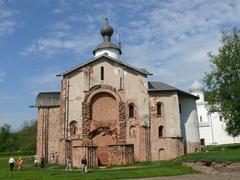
202 141
200 118
131 111
73 128
180 108
160 131
220 118
102 73
121 83
159 109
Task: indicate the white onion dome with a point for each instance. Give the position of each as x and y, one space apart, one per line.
196 87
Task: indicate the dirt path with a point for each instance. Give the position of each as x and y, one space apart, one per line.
225 176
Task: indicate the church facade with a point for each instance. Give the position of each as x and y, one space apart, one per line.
108 111
211 125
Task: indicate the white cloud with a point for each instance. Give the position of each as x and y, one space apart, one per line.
169 38
51 46
175 37
47 81
8 20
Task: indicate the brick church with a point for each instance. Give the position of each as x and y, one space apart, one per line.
108 111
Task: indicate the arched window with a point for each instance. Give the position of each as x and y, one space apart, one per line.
159 109
131 110
73 128
160 131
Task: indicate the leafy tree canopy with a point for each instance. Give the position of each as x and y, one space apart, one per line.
21 140
223 81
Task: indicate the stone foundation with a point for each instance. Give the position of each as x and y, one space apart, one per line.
167 148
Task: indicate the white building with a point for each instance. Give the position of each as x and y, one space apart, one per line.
211 125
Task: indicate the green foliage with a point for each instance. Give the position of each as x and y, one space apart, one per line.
16 153
223 81
206 95
22 140
26 137
6 138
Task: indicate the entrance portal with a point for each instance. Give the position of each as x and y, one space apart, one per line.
102 154
104 126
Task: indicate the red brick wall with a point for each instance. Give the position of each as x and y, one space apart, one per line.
104 111
121 154
48 132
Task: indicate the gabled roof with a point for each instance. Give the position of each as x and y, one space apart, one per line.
143 71
47 99
160 87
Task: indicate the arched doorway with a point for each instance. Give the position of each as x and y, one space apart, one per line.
161 154
104 125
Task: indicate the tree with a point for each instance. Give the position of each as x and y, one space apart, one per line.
21 140
5 137
223 81
27 136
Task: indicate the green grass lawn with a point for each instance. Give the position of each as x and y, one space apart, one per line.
217 156
137 170
222 147
134 171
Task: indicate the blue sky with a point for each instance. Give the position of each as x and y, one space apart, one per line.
42 38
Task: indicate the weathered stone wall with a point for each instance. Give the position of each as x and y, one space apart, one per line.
75 105
167 148
63 100
54 131
40 131
133 85
170 144
48 132
78 153
133 130
103 108
121 154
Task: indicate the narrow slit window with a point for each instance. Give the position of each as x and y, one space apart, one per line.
159 109
180 108
121 83
160 131
102 73
131 111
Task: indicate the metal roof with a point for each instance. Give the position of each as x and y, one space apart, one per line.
105 45
48 99
160 87
143 71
